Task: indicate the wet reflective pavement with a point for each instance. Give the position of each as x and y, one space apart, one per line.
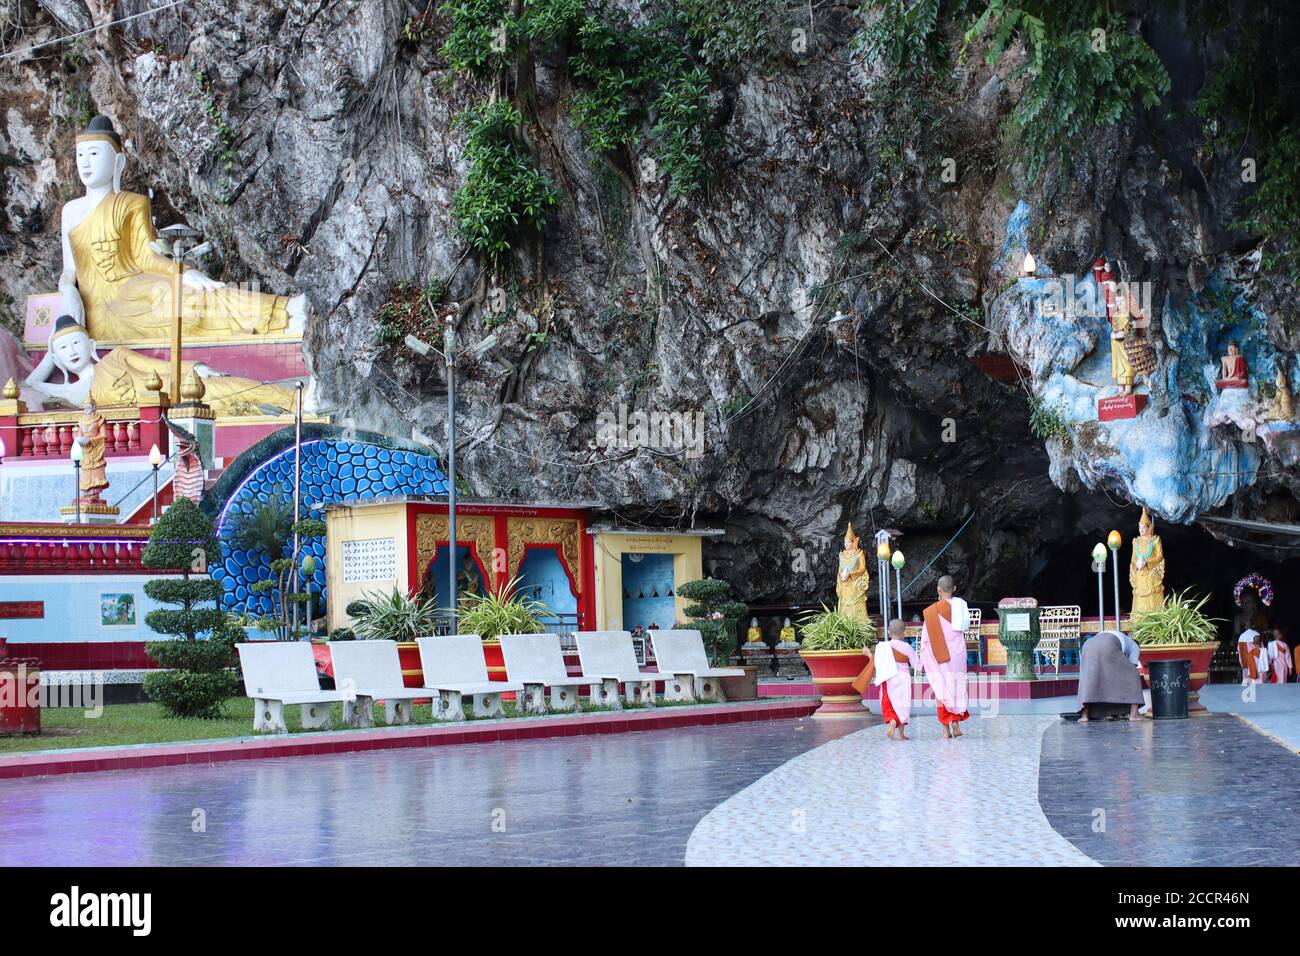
1017 789
616 799
1206 791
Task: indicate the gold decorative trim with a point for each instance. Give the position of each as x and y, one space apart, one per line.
25 530
69 416
432 528
558 531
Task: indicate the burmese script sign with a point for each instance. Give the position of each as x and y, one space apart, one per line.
22 609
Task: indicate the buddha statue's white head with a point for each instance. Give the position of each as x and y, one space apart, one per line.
71 346
100 162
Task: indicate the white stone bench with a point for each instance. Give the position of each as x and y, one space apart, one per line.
277 673
610 656
681 653
372 671
454 665
537 662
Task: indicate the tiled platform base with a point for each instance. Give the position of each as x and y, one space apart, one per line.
391 738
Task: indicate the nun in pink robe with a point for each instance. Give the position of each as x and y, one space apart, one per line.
943 654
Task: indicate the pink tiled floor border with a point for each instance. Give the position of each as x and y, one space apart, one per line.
199 752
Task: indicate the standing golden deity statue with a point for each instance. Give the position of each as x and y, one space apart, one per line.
1146 570
852 583
94 467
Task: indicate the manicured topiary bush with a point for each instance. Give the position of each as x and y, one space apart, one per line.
714 614
197 678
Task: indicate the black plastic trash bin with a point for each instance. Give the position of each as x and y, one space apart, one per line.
1170 681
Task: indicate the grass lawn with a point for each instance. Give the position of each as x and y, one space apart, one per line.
65 727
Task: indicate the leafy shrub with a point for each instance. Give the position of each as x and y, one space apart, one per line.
714 614
1180 621
504 195
198 681
1048 421
500 611
394 616
186 693
1083 66
828 630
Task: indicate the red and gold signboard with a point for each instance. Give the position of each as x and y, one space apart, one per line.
22 609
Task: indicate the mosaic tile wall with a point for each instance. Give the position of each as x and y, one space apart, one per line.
332 470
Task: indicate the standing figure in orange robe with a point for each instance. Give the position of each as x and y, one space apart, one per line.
943 654
1279 655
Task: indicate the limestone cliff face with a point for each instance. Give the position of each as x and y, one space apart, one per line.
314 144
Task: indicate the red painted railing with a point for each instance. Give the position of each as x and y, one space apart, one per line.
50 548
45 435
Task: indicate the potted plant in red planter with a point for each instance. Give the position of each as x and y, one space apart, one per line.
1179 631
832 647
502 610
394 616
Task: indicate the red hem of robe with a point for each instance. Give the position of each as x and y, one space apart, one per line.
887 711
946 716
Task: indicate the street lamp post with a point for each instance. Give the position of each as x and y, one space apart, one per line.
1099 565
897 561
1113 541
155 459
75 455
297 491
882 570
449 353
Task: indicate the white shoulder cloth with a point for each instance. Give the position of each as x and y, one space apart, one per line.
960 614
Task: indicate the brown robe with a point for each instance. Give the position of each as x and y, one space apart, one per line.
1246 654
934 630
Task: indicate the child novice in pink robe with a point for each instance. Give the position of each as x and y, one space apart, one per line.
889 667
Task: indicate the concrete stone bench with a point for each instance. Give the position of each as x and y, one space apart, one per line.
372 671
682 654
455 667
277 673
537 662
610 656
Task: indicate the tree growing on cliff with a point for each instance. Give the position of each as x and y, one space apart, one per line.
196 679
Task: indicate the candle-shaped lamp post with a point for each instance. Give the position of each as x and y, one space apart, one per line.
882 570
155 459
1113 541
75 455
897 561
1099 565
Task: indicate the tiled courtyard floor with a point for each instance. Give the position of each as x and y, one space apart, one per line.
866 801
617 799
1016 790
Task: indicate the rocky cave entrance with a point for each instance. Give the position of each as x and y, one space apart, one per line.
1194 559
